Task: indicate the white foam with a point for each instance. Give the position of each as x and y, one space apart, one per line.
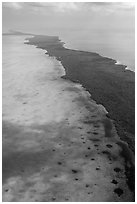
118 62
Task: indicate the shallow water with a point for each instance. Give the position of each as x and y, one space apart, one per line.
53 134
32 87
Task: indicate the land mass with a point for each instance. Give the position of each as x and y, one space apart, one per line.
108 83
79 157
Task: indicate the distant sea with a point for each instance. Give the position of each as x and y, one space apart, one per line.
116 45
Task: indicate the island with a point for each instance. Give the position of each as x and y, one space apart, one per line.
88 154
109 84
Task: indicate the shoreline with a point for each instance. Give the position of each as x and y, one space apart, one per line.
117 62
94 126
55 48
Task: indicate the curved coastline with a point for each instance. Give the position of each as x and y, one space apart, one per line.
54 47
100 70
60 129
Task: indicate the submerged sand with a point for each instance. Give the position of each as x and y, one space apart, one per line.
58 144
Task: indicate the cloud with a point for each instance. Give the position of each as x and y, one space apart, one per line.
70 6
108 6
56 6
13 5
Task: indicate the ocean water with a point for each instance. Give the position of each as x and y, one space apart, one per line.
117 45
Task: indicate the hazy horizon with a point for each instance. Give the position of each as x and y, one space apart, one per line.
104 27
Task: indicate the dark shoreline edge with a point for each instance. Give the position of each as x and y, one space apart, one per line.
108 83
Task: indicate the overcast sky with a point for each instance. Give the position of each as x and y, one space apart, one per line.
55 18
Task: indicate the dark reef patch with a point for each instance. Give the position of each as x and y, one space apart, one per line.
114 181
109 145
118 191
74 171
109 155
94 139
117 169
95 133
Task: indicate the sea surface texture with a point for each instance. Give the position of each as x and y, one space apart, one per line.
55 144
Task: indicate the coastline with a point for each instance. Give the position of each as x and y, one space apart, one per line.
117 62
85 135
108 84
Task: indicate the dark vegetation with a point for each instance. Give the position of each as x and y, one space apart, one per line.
109 84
